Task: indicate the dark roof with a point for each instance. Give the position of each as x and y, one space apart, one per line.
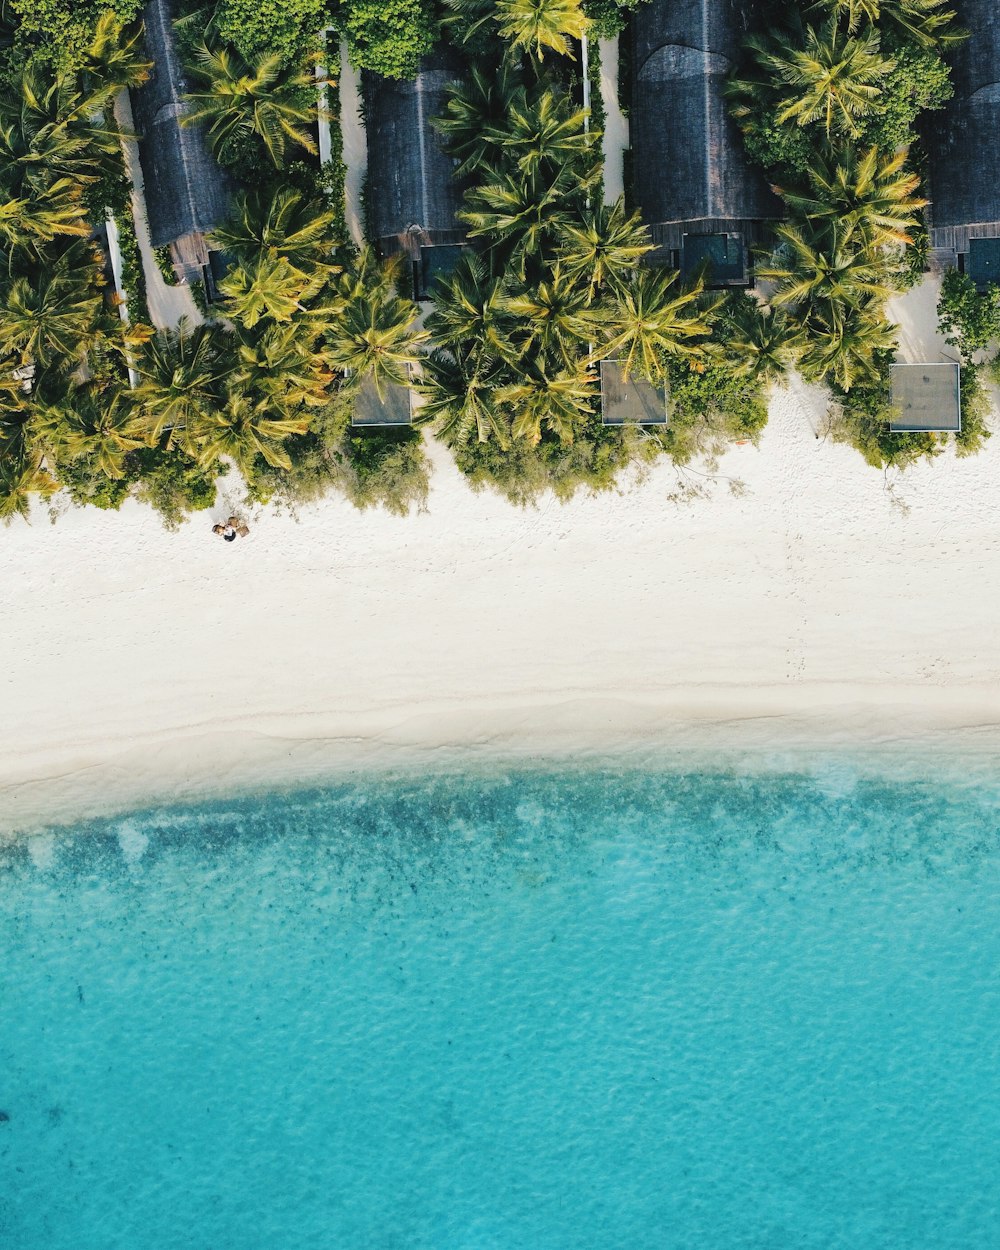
962 137
926 399
983 265
690 166
437 263
722 258
411 179
633 399
186 191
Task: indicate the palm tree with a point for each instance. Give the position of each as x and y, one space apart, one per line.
843 343
534 26
183 374
373 334
543 132
460 399
476 113
243 430
115 57
269 286
20 481
42 216
558 401
869 193
554 318
758 341
237 101
96 422
471 311
282 223
50 131
603 247
55 314
834 77
523 214
924 21
654 319
281 365
826 264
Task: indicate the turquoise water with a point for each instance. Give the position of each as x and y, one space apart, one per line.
534 1011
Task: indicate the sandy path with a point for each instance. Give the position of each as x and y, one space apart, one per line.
355 144
616 136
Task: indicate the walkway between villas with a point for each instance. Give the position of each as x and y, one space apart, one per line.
355 146
616 138
167 304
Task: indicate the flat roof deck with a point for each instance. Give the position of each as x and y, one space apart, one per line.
392 408
926 398
632 400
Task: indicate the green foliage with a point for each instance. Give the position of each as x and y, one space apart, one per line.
284 28
608 17
87 483
165 264
133 274
919 81
174 485
386 469
373 468
711 406
975 405
968 319
524 472
59 31
387 36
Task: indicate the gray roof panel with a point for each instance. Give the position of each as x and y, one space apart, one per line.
689 161
186 190
411 178
962 137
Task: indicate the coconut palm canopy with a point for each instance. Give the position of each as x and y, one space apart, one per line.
186 190
962 137
691 174
413 190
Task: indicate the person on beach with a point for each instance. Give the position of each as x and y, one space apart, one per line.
228 531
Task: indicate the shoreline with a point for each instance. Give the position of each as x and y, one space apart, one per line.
817 603
949 737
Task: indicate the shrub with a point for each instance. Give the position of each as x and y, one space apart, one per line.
968 319
59 30
174 485
257 28
975 411
387 36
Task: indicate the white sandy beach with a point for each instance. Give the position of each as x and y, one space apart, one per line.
142 664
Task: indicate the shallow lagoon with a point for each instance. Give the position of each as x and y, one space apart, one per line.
602 1008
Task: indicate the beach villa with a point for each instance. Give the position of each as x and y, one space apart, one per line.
414 196
187 193
964 172
704 204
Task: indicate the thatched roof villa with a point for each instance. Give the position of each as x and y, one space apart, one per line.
701 199
187 193
413 193
962 142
